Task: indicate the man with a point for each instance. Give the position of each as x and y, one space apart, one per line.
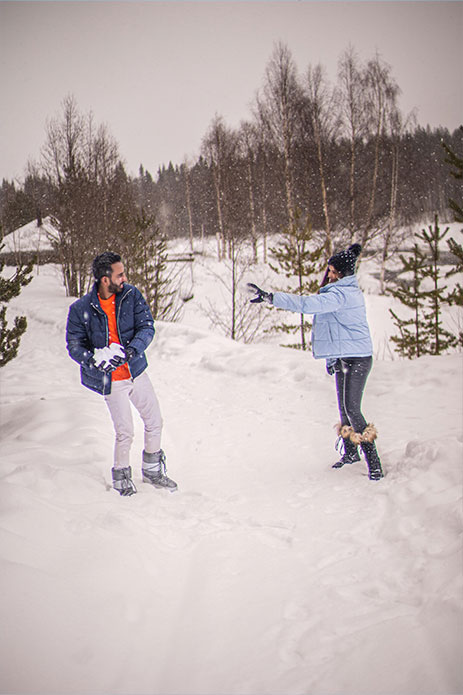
107 333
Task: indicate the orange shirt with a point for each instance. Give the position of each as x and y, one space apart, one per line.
109 308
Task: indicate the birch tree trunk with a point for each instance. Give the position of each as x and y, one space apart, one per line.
279 115
248 142
382 92
186 173
219 146
352 120
322 126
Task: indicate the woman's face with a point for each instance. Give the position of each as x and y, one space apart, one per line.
333 274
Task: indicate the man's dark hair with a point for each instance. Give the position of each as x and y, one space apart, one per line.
101 265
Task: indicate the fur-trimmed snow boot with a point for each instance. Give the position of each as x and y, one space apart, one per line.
344 445
375 472
366 439
122 481
154 471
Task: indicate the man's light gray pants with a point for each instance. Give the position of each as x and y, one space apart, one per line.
140 393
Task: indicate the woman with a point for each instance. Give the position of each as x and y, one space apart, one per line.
341 335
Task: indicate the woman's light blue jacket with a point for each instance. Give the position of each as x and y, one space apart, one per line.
340 327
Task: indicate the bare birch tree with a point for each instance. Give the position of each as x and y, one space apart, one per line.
394 232
248 148
279 110
352 114
320 121
81 163
185 170
219 147
381 92
235 317
263 158
62 162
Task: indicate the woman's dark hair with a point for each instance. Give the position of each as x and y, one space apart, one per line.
343 262
101 265
325 280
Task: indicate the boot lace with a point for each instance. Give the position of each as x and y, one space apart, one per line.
128 486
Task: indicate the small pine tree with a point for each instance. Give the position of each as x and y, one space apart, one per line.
9 288
409 341
146 261
455 161
439 339
456 296
425 296
298 258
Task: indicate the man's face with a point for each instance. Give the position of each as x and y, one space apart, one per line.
115 283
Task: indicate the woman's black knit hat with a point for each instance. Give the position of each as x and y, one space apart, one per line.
345 261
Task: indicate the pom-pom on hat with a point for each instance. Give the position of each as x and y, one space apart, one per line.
345 261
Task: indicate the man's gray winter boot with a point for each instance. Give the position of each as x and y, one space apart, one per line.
344 444
122 481
154 471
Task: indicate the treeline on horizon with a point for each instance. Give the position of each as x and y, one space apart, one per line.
342 156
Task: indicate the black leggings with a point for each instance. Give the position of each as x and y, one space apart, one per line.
351 377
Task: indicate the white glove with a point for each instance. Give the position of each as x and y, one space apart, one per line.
102 357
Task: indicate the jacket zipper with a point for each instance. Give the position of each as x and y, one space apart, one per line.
100 310
117 326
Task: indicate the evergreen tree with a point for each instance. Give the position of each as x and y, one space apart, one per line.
9 288
456 296
299 258
456 162
439 339
146 261
409 293
423 333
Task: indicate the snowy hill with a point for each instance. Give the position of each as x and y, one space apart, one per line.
268 572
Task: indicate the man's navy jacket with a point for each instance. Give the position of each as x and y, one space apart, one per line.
87 329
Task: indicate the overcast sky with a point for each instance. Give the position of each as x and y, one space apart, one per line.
157 72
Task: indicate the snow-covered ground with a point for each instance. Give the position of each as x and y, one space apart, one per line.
268 572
